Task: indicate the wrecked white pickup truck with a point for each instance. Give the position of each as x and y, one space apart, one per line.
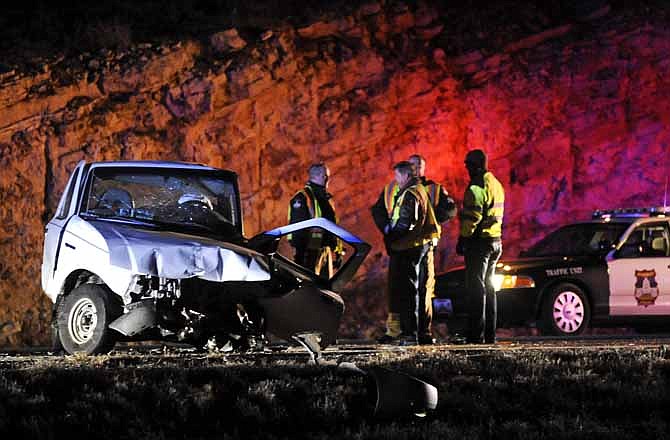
155 251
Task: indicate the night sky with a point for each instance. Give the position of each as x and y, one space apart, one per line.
34 29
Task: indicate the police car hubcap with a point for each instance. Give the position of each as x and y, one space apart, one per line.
568 312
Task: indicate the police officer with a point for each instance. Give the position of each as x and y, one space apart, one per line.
409 237
443 205
314 248
444 209
480 242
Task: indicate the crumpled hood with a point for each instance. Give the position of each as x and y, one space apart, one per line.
174 255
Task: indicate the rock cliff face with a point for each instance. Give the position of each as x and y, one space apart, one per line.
573 115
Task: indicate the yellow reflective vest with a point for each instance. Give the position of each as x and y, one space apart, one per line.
432 190
390 191
426 231
483 209
315 234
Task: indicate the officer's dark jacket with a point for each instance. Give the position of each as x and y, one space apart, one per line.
318 205
380 215
443 205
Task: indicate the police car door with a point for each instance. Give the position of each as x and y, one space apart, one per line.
639 272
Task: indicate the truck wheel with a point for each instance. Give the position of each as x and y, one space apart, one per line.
83 320
565 311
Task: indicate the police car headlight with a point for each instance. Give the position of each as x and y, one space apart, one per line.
501 282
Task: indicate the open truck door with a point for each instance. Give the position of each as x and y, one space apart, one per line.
269 243
311 312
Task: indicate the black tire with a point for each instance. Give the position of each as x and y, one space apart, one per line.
83 319
645 330
55 347
565 311
652 329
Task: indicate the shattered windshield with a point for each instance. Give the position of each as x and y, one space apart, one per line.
200 199
579 239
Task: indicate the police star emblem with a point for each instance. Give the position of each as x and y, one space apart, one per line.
646 287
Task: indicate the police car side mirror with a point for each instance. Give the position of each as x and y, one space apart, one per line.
605 246
611 255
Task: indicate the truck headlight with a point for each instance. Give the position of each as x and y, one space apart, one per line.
501 282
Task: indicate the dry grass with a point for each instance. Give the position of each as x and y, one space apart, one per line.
530 394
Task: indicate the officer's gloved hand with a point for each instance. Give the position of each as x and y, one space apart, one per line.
460 245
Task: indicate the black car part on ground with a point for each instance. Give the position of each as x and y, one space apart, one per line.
396 394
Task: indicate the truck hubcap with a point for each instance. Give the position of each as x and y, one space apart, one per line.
568 312
82 321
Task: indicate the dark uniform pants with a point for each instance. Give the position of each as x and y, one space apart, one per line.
394 297
404 288
481 256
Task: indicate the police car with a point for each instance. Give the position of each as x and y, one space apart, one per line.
613 270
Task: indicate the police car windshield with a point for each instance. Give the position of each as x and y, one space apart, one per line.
579 239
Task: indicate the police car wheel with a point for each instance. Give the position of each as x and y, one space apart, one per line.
565 311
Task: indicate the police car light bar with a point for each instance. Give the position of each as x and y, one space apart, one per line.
632 212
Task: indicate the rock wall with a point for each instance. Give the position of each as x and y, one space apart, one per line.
573 116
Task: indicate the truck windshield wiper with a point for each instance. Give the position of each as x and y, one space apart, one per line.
117 218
